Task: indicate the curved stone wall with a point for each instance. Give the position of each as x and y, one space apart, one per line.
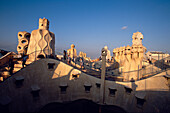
47 80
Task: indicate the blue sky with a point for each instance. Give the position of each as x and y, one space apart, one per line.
89 24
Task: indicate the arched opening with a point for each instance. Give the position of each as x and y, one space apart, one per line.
27 36
40 56
80 106
19 47
23 41
20 35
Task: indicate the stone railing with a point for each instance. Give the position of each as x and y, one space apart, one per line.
5 59
144 72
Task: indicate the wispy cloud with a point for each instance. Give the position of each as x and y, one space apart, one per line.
124 27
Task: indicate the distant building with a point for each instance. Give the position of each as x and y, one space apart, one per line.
167 60
156 55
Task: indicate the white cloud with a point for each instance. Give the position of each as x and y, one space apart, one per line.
124 27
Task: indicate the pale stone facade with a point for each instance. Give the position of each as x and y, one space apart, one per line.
42 41
23 42
72 52
156 55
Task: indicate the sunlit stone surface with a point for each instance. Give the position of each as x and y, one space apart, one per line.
108 57
72 52
130 58
23 41
42 41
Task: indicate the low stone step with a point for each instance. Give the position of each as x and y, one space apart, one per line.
19 62
16 69
28 62
5 74
1 79
6 68
18 65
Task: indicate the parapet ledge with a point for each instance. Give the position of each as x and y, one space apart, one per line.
127 86
112 87
35 88
74 75
18 78
87 84
140 94
63 84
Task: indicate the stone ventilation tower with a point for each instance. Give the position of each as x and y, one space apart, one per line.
82 54
108 57
130 58
23 41
42 41
72 52
137 38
